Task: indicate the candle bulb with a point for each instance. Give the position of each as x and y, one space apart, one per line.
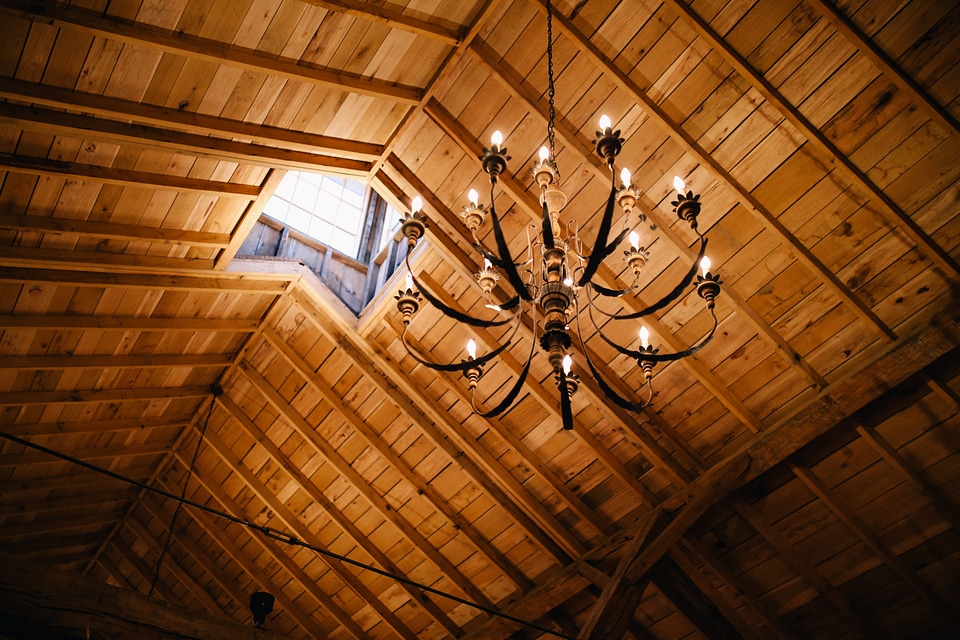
486 263
496 140
604 123
625 177
473 197
678 184
567 363
705 265
635 240
544 153
472 349
417 204
409 281
644 337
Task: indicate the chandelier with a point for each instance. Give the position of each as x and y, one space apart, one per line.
554 279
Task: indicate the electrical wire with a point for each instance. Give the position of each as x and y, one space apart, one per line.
281 536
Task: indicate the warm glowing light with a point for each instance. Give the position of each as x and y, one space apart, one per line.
567 363
604 122
409 281
625 177
568 282
417 204
486 264
472 349
644 337
678 184
496 139
544 153
705 265
473 197
634 240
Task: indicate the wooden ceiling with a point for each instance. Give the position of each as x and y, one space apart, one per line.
799 477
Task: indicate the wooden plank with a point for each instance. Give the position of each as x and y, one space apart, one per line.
690 601
96 426
32 507
171 42
126 177
393 19
43 527
54 599
101 395
91 453
123 133
249 218
96 229
146 361
19 256
128 323
192 122
215 281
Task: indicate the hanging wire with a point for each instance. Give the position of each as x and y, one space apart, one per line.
551 90
281 536
216 390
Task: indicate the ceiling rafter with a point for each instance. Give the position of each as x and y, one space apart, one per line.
90 453
351 530
526 202
462 448
896 216
20 256
690 601
211 51
101 395
141 569
800 251
201 124
423 486
43 527
83 479
512 81
128 323
126 177
60 504
290 520
249 218
220 281
95 229
859 528
393 19
96 426
119 361
67 124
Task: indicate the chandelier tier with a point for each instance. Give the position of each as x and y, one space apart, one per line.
555 279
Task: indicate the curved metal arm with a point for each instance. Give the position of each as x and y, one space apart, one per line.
508 400
657 357
505 260
600 248
463 365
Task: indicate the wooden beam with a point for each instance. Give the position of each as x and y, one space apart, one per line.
212 281
96 426
128 323
393 19
90 453
43 527
512 81
78 605
124 133
146 361
219 53
125 177
872 542
692 604
673 128
85 479
898 218
32 506
102 395
95 229
251 215
20 256
197 123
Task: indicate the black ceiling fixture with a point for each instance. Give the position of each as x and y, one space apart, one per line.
261 603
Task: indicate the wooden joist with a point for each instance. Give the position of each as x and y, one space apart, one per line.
102 395
210 281
392 18
95 229
146 361
127 323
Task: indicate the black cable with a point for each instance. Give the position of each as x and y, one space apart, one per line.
280 536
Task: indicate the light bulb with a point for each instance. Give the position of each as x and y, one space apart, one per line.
625 177
472 349
567 363
635 240
486 263
496 139
604 122
473 197
678 184
417 204
705 265
644 337
568 282
409 281
544 153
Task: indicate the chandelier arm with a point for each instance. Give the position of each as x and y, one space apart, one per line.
601 250
505 260
566 410
547 226
610 293
616 242
667 299
463 365
508 400
660 357
450 312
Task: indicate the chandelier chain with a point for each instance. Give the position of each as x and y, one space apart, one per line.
551 89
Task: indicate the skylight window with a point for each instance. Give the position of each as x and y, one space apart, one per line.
327 208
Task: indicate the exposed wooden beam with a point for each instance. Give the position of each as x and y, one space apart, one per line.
42 527
95 426
653 110
32 506
297 527
872 542
55 599
143 35
197 123
350 528
512 81
211 281
690 601
124 133
85 479
101 395
19 256
91 453
393 19
125 177
95 229
128 323
890 210
146 361
251 215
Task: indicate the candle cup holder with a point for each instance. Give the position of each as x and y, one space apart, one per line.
494 161
408 303
636 258
472 374
687 207
708 288
647 363
473 216
412 226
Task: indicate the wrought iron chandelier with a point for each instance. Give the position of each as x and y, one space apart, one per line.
555 279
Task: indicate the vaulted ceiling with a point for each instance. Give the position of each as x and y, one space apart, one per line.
798 477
